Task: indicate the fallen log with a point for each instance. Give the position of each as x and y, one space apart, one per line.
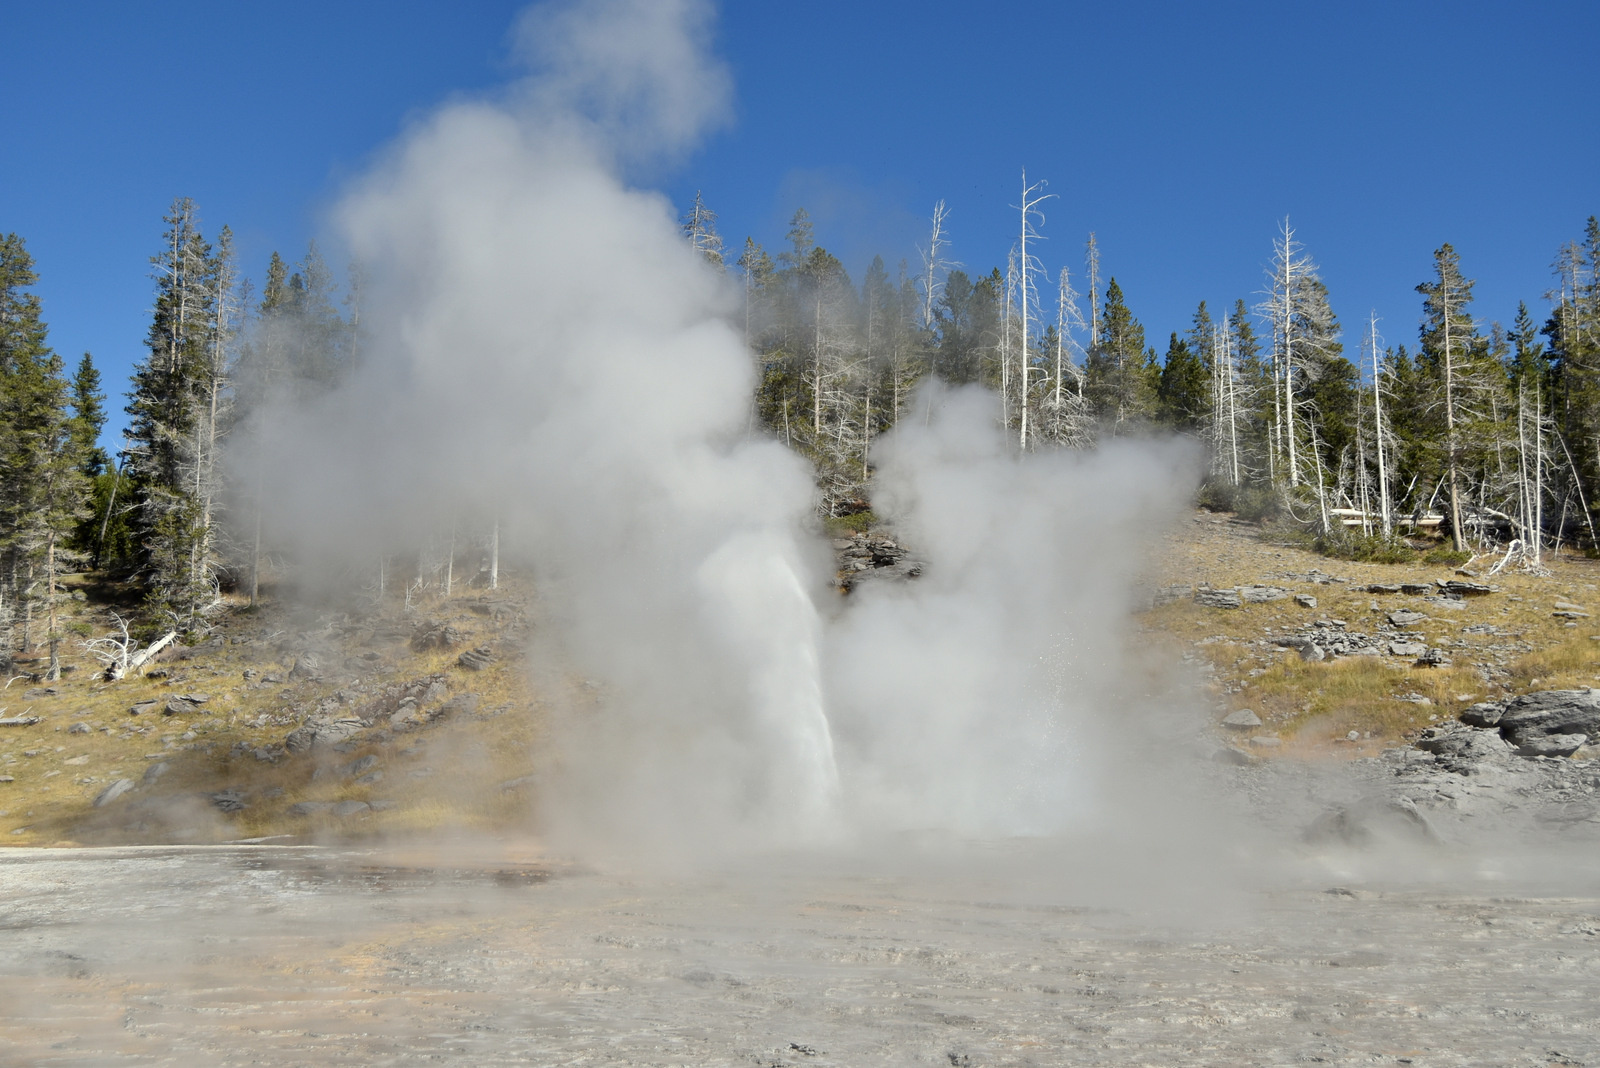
18 721
141 658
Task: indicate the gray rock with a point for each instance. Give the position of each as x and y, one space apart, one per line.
179 706
1305 600
381 806
477 658
155 771
1372 822
112 792
229 800
79 728
309 808
1209 598
1462 749
370 778
1434 658
1406 618
306 666
435 636
1265 741
1533 716
1381 587
1261 594
1457 588
460 705
139 708
1567 613
357 767
350 808
1242 720
1312 651
1407 648
1415 589
1168 594
1551 745
1483 714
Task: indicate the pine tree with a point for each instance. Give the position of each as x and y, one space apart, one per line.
42 484
170 432
1457 361
1183 389
1121 377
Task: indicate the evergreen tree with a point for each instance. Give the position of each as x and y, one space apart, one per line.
1121 378
168 409
42 484
1464 377
1183 391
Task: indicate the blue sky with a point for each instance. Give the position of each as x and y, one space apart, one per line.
1181 133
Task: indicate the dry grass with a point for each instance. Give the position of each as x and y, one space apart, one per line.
446 774
1310 704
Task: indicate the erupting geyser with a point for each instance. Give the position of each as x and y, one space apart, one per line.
538 324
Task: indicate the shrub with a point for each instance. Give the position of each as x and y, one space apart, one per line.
842 526
1446 556
1258 504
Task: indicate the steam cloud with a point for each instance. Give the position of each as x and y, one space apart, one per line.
546 350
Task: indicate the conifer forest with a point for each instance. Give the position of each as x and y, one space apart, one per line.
1482 428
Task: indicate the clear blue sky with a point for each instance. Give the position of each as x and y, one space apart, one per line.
1180 132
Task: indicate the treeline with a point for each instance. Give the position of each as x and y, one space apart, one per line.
165 510
1494 427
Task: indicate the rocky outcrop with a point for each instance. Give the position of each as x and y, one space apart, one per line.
1552 722
873 555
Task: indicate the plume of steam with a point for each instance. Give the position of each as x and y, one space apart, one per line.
545 349
973 699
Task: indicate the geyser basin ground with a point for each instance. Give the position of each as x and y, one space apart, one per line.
239 955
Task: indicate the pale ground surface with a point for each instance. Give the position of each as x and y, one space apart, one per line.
302 956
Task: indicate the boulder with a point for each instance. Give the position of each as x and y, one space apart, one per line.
1262 594
1415 589
1483 714
1434 658
1242 720
309 808
461 705
1381 587
79 728
1571 714
1406 618
1373 822
1209 598
1551 745
477 658
435 636
1305 600
179 706
1407 648
229 800
1462 749
112 792
1457 588
155 771
306 666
